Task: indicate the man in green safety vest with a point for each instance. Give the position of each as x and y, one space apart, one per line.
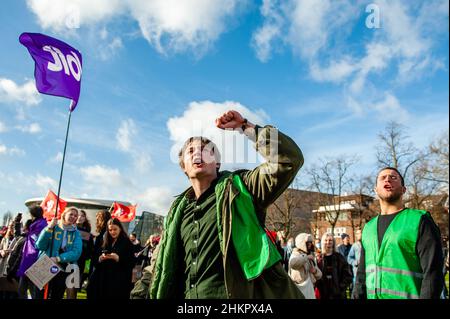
401 256
214 243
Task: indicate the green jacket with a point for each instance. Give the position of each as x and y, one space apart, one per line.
265 184
393 268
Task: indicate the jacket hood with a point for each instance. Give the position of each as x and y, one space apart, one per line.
300 241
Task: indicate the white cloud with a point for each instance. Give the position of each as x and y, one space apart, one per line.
64 15
155 199
168 25
264 36
26 93
102 175
199 119
390 105
124 134
45 182
335 72
108 47
11 151
70 157
33 128
180 25
403 43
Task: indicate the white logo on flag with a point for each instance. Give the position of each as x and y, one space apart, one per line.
67 62
49 206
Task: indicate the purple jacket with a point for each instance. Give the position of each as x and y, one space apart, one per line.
30 252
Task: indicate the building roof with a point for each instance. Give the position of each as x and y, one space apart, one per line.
82 201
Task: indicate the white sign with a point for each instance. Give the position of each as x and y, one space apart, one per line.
42 271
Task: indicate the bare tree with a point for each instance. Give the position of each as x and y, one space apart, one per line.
7 217
280 215
437 166
425 172
396 150
331 178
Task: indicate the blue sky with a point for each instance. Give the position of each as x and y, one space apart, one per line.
156 71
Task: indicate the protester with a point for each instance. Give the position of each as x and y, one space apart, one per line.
136 247
61 241
111 278
287 251
336 274
203 255
87 239
102 218
141 287
6 245
303 267
5 248
18 224
135 241
13 261
145 254
354 257
30 254
344 248
401 255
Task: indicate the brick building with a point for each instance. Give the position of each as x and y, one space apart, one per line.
351 211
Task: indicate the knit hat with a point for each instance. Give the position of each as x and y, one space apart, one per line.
301 239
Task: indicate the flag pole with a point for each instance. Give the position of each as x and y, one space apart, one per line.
59 189
62 165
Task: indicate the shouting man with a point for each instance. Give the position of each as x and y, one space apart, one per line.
214 243
401 255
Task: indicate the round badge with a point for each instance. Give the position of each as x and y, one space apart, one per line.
54 269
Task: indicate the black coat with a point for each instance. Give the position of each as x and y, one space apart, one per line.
111 279
341 277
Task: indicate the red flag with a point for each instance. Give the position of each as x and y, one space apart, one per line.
272 235
49 206
124 213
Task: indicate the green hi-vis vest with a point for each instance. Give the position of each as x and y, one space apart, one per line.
393 268
255 251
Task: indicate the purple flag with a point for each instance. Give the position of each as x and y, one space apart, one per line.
58 66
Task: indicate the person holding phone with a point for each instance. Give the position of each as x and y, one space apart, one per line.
111 278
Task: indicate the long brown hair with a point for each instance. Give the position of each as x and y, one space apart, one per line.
87 224
101 222
107 239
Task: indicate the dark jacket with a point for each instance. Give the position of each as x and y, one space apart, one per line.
111 279
265 184
87 240
15 256
333 285
96 250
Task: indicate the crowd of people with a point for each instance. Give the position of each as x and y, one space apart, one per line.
105 262
215 244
